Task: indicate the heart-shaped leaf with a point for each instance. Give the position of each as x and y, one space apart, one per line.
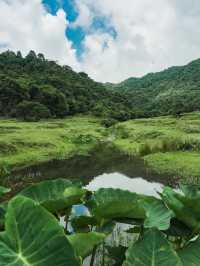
152 250
55 195
108 203
84 243
185 207
33 237
190 254
157 214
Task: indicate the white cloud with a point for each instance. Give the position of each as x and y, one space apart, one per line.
85 17
26 25
151 34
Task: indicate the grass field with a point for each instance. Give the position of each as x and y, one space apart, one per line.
23 144
168 145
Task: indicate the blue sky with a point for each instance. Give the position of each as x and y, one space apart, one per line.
110 40
78 34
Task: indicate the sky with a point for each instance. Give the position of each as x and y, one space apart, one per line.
111 40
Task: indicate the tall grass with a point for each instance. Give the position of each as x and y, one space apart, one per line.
168 145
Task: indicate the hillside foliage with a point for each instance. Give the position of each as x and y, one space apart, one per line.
33 88
173 91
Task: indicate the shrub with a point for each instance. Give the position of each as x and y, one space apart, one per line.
108 122
32 111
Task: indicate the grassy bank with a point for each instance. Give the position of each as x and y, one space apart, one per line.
23 144
168 145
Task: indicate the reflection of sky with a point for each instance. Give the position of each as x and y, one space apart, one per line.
118 180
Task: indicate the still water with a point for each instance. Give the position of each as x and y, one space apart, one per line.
104 167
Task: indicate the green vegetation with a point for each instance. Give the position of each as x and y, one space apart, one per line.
168 145
81 114
33 88
162 231
169 92
55 91
23 144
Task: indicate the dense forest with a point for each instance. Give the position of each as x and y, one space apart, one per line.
175 90
33 87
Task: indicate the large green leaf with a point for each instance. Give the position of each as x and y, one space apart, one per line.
55 195
108 203
83 223
190 191
157 214
186 207
84 243
190 255
33 237
152 250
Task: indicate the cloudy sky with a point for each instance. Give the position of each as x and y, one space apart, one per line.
111 40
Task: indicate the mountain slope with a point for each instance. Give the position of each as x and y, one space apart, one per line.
33 85
174 90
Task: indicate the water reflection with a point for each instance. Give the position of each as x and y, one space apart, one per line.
117 166
118 180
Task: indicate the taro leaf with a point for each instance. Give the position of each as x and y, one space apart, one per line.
157 214
33 237
83 243
190 255
186 209
108 203
82 223
152 250
117 254
4 190
55 195
190 191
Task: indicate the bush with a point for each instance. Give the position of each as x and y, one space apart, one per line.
32 111
108 122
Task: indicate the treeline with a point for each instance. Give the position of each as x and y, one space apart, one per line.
32 88
170 92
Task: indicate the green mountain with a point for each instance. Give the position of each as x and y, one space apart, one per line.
33 87
172 91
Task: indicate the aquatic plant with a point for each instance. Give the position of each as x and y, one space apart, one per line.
163 231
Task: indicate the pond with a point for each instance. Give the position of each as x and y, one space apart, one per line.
105 166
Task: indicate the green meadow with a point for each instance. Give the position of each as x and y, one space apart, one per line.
168 145
26 143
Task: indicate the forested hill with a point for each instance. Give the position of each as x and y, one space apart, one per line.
174 90
33 87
